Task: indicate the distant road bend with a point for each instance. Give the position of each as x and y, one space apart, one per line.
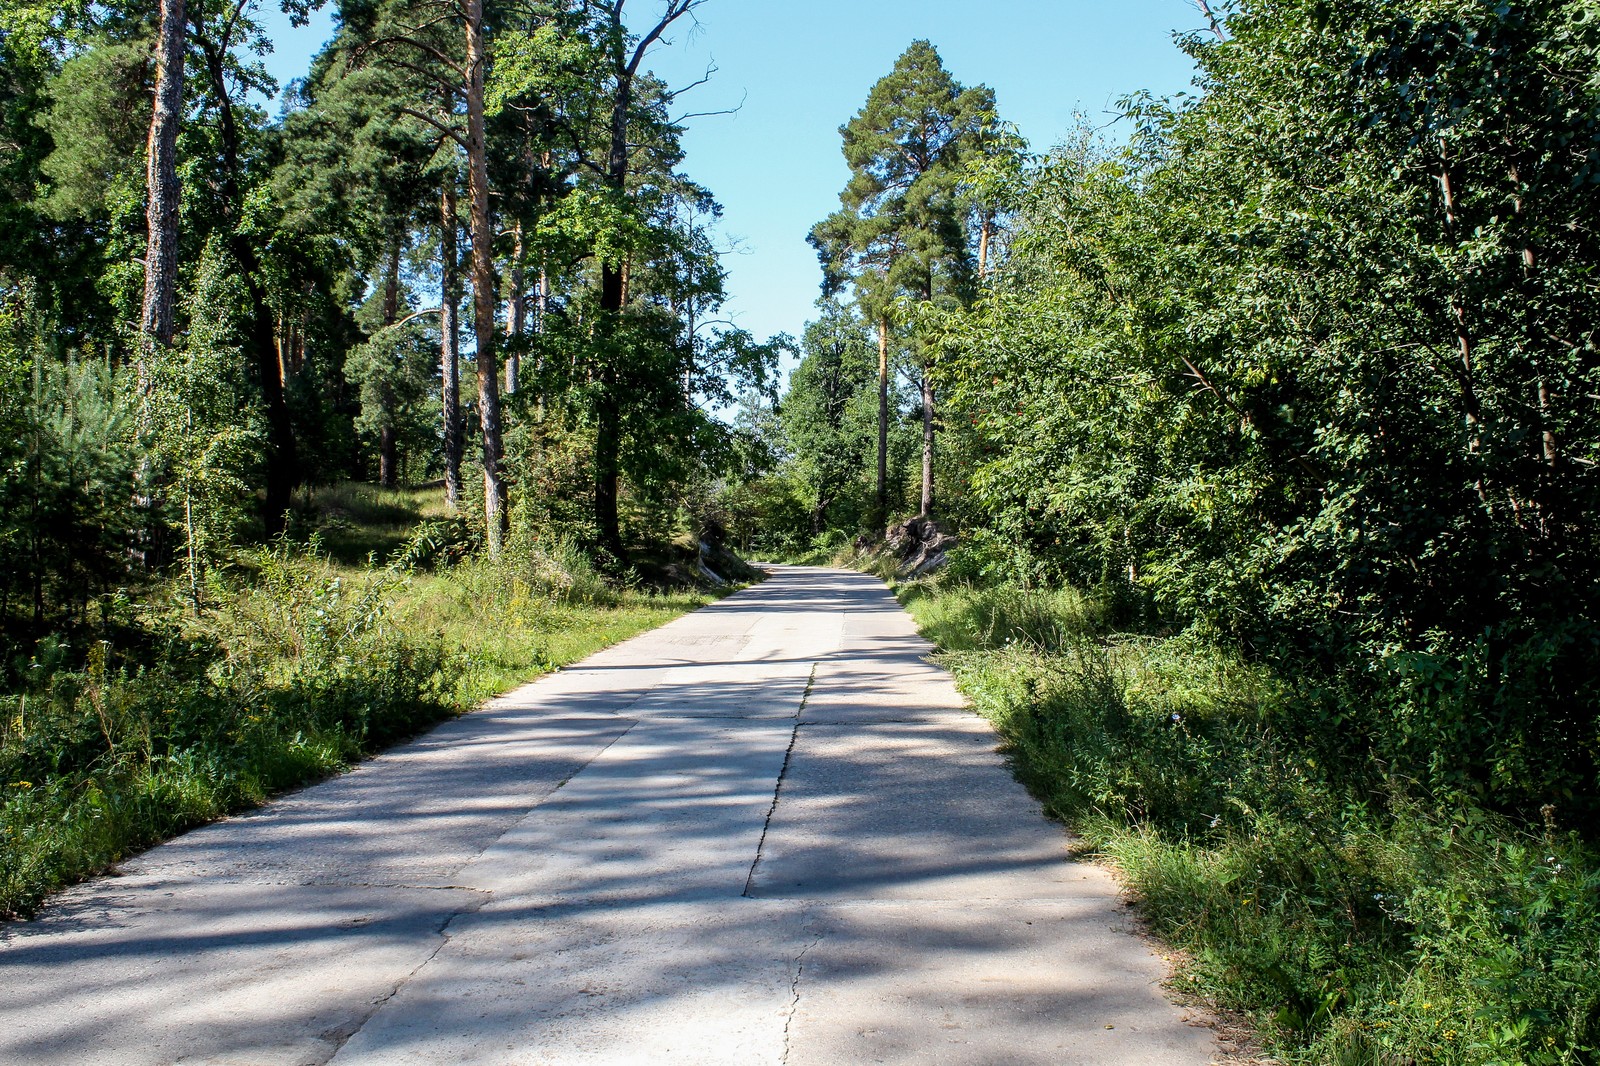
767 832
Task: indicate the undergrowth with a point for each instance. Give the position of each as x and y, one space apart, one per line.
294 667
1354 918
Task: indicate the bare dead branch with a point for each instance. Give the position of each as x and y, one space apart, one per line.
681 119
675 93
676 9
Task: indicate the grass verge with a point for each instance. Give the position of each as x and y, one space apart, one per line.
1353 921
298 666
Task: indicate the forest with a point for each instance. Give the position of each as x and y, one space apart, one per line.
1257 440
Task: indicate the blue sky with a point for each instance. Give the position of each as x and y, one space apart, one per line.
799 70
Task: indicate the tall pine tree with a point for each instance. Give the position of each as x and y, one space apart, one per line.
900 233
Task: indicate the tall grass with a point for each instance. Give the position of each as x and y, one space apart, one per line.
1352 918
297 666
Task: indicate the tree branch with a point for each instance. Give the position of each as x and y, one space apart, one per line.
414 43
681 119
413 315
436 124
675 93
676 9
1216 24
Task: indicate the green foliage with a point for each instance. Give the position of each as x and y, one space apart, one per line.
394 372
1305 368
65 515
201 433
830 417
438 542
1351 923
96 126
767 516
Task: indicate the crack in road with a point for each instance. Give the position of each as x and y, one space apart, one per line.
777 786
344 1034
794 995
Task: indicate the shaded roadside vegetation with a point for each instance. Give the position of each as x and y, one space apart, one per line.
200 603
1310 887
1299 386
155 715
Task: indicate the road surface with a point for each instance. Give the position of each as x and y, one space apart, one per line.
768 833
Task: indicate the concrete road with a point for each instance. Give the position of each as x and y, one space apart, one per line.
768 832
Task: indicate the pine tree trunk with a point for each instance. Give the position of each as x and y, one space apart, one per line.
450 345
483 294
388 457
161 249
985 224
883 426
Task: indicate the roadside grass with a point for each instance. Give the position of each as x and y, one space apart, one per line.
301 664
503 629
1353 921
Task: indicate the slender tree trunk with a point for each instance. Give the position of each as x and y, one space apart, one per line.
927 444
391 287
161 248
1547 435
1471 410
517 318
883 425
282 459
483 294
388 457
542 300
388 439
450 345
